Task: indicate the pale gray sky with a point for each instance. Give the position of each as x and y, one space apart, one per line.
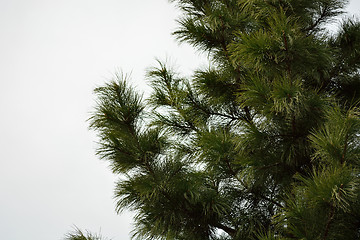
52 55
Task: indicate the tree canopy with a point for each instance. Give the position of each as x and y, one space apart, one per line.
262 144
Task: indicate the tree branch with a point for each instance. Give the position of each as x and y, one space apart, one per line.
246 186
345 149
328 223
227 229
318 21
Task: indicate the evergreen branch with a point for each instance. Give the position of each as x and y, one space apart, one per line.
331 215
78 234
321 18
223 41
246 186
345 149
329 221
227 229
288 66
210 112
248 115
225 49
247 118
269 166
271 200
293 125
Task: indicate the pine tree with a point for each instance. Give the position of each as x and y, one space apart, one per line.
263 144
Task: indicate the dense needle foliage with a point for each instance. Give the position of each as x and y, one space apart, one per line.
263 144
78 234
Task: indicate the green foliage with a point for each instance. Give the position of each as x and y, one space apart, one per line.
324 201
264 144
78 234
337 141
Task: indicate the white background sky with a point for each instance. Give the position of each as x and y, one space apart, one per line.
52 55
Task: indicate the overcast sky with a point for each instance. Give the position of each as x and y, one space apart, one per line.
52 55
